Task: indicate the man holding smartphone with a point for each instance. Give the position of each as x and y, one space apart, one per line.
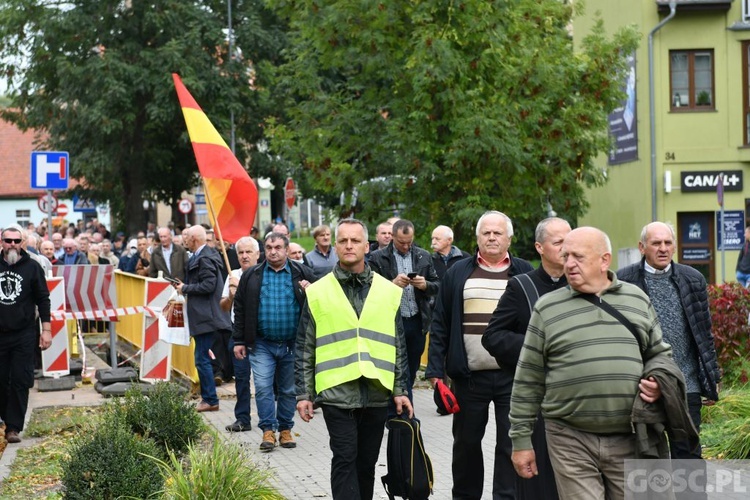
411 268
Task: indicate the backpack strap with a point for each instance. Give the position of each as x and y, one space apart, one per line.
598 302
529 289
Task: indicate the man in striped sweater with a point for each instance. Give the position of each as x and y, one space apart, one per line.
583 368
468 294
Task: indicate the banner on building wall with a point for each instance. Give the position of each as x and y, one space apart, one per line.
623 122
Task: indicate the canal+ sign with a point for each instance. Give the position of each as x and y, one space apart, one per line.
704 181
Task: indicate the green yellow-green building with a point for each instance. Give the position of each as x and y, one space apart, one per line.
701 109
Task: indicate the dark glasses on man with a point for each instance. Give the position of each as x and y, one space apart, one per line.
17 241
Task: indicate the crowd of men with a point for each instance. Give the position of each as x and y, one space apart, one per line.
569 353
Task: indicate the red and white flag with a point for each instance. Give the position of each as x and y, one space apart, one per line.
89 290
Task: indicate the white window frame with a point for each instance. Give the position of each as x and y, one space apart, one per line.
746 11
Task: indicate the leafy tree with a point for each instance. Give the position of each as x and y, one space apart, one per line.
446 109
95 76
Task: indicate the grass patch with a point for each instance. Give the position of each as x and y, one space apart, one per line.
725 430
219 469
212 466
36 471
55 419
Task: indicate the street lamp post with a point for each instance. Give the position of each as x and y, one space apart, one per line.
231 55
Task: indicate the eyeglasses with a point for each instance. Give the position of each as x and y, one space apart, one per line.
68 248
17 241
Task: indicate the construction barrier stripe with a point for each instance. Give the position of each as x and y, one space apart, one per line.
106 314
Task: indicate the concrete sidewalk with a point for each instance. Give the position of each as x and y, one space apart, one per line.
302 472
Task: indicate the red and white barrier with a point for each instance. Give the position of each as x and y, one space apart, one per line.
56 359
105 314
156 355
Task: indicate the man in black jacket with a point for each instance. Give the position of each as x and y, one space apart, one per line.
504 340
445 252
267 306
23 291
468 295
409 267
678 293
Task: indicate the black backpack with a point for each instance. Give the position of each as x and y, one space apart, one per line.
409 467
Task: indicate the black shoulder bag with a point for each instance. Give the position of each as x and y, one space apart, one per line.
598 302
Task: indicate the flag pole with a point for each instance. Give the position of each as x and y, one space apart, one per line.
216 225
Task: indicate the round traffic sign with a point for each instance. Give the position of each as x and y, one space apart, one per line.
62 210
290 193
44 206
185 206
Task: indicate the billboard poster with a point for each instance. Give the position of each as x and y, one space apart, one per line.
623 122
732 235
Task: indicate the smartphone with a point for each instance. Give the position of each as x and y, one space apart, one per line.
172 280
411 276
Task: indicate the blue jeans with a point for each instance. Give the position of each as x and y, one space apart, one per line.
743 278
274 360
242 386
203 343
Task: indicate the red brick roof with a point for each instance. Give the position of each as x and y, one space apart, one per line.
15 162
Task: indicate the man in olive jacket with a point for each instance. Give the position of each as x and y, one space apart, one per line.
168 258
354 399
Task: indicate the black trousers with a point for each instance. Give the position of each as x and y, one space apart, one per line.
222 364
16 375
415 344
681 449
355 438
474 396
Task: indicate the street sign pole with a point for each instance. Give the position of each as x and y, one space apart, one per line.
722 237
49 214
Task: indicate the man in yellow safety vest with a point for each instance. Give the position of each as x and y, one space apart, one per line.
351 361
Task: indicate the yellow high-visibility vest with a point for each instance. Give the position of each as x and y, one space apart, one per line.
348 347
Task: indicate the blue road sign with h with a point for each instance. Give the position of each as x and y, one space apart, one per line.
50 170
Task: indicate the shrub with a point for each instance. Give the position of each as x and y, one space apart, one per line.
109 463
730 305
224 471
163 415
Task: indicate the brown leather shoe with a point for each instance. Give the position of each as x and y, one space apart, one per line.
269 441
12 437
286 440
203 406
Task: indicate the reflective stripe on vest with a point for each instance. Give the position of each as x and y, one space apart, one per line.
347 347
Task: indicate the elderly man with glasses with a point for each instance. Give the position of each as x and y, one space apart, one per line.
72 256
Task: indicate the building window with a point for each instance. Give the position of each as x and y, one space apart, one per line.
692 79
23 217
746 11
746 87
